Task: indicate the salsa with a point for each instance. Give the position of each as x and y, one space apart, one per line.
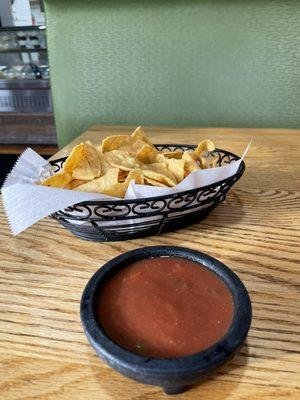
165 307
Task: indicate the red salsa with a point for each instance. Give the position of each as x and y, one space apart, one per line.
165 307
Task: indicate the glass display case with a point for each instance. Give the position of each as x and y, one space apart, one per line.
25 98
24 71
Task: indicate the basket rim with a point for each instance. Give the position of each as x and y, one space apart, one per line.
238 173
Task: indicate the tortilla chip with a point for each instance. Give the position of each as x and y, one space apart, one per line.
105 166
208 162
109 185
139 134
173 154
89 166
103 185
83 171
83 162
59 180
76 155
119 189
177 168
113 142
147 154
132 147
131 144
136 175
75 183
152 182
190 165
160 158
159 172
93 157
122 175
122 159
206 146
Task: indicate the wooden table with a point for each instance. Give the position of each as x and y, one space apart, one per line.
43 351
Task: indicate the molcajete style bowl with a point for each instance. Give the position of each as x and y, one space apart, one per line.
172 374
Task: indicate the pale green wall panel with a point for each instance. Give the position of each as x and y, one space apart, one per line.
181 62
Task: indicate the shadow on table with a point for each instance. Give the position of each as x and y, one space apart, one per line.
224 374
228 213
117 386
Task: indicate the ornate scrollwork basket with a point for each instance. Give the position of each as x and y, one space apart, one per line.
115 220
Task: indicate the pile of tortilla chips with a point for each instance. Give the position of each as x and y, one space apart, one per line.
109 168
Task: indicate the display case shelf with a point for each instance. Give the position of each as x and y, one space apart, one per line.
22 28
25 97
10 51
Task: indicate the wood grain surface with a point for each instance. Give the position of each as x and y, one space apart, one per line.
44 353
27 128
19 148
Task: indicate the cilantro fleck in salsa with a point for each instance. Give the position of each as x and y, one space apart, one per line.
165 307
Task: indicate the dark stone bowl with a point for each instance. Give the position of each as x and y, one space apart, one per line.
175 374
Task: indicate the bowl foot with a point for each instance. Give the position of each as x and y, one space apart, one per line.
174 390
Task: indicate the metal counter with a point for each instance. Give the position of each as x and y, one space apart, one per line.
25 96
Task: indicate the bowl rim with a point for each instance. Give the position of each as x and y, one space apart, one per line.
202 361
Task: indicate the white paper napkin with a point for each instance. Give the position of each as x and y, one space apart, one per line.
25 203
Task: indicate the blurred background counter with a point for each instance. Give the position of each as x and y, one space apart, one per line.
25 96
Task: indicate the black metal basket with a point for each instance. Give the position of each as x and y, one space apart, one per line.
115 220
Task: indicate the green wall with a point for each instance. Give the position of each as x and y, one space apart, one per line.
180 62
